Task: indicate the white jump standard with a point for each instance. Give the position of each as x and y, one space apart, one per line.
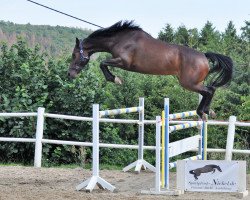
140 163
90 183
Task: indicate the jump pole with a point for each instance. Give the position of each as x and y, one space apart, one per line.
203 132
166 149
157 189
140 163
163 149
90 183
204 140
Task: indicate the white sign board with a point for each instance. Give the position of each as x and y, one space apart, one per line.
211 176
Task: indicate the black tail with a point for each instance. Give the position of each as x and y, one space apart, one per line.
223 66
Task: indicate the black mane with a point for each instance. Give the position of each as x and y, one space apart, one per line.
117 27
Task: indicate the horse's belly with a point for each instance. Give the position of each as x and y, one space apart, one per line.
154 69
156 62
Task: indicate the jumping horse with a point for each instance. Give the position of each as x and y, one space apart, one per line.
205 169
133 49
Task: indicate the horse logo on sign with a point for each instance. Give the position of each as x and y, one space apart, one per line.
205 169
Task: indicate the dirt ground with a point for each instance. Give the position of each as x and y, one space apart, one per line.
28 183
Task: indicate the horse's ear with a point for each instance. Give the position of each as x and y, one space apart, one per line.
77 41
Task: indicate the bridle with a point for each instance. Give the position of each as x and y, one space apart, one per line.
82 57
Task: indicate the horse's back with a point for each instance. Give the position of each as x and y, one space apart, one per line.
153 56
145 54
177 59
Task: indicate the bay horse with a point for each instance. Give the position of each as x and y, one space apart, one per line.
133 49
205 169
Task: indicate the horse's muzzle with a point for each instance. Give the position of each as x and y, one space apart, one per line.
72 74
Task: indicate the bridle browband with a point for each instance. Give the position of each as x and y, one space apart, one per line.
82 57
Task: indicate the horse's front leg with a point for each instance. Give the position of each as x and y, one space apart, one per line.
115 62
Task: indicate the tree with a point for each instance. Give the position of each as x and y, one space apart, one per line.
182 36
209 38
231 43
167 34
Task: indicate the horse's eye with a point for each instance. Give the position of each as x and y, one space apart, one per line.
73 56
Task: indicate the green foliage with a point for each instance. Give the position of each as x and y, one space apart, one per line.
55 40
30 79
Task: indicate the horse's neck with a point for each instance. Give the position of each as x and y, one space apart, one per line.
97 45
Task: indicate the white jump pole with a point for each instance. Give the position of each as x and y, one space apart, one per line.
39 137
166 111
157 188
158 155
141 130
140 163
95 179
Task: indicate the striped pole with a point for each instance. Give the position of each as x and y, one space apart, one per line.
204 140
182 115
166 110
200 130
184 126
120 111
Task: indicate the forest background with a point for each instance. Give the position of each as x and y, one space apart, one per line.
34 60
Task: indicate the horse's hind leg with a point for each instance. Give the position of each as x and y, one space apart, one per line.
200 109
208 101
201 89
207 95
194 83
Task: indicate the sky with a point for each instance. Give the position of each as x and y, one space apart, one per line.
151 15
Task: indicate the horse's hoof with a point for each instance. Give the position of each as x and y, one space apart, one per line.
118 80
212 114
204 117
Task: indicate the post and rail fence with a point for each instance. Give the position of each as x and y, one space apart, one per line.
232 123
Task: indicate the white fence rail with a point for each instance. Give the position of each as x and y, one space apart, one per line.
41 115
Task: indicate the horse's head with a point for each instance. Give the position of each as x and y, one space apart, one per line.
219 169
79 59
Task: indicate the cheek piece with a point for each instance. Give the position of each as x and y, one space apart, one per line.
82 57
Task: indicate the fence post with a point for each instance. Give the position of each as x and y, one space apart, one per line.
230 138
39 137
141 129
